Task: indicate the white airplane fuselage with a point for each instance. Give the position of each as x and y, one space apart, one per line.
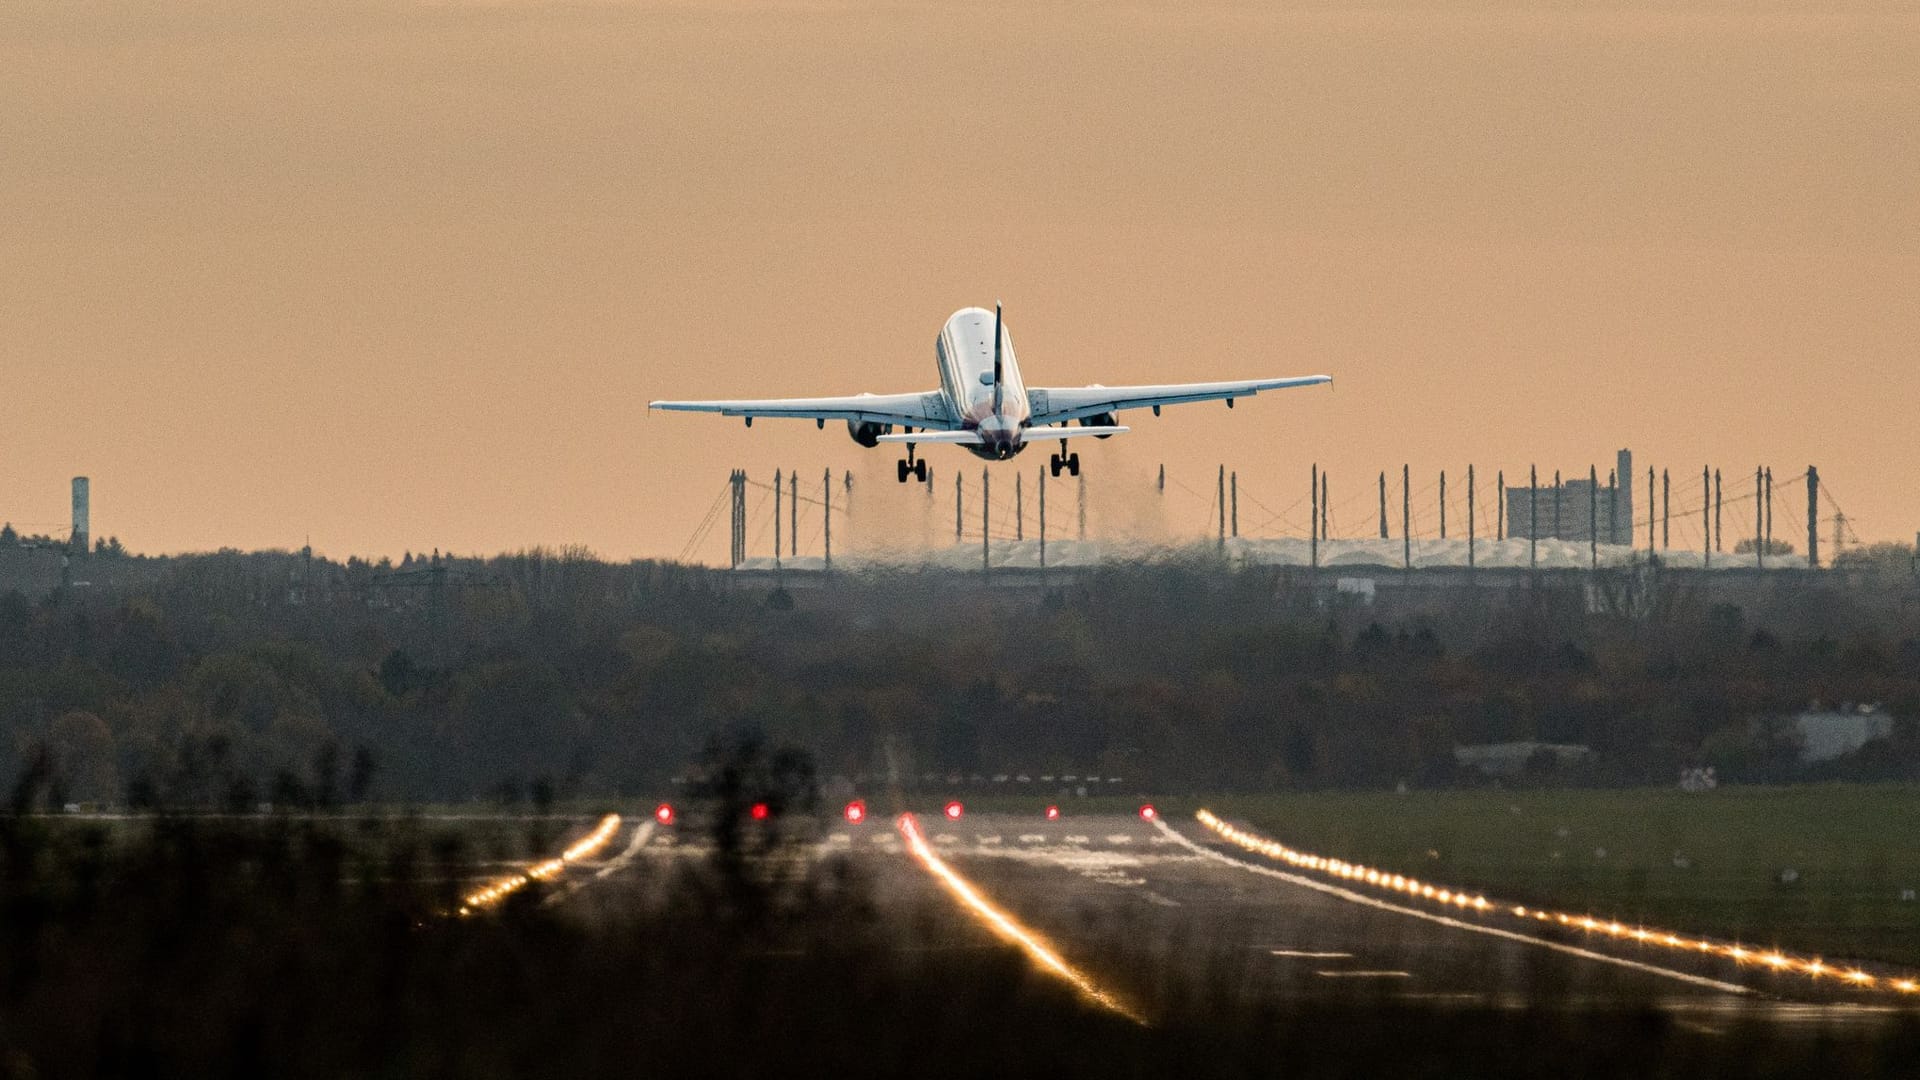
964 353
983 403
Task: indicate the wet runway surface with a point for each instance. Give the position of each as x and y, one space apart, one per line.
1152 910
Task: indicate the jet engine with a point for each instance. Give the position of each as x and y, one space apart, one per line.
1105 419
867 432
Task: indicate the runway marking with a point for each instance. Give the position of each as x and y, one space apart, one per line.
1365 974
839 838
1698 1028
1491 931
1004 924
641 834
1032 838
1308 955
1075 840
946 838
1119 838
1081 860
985 840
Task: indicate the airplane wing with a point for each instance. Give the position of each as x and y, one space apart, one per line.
927 410
1059 405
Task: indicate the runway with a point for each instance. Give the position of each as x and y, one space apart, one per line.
1154 910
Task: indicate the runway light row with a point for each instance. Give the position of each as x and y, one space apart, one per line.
1771 959
1003 924
582 848
856 812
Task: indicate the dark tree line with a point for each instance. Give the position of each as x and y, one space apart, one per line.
236 679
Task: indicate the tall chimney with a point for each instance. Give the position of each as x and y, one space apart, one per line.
82 516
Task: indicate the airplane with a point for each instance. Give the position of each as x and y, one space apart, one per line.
984 405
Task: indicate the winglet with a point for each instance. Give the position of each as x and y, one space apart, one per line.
997 391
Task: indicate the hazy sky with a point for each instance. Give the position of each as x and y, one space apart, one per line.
402 276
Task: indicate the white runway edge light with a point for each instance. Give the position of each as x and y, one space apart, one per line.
1771 959
582 848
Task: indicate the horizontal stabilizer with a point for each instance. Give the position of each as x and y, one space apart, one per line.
1041 434
961 438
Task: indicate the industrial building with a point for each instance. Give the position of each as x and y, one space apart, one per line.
1574 509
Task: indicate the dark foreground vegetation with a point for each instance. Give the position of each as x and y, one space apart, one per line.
234 679
316 947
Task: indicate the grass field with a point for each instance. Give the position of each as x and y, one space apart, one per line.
1816 869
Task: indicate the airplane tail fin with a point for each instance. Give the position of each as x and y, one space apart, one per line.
997 391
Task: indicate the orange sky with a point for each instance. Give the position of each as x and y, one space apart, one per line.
404 276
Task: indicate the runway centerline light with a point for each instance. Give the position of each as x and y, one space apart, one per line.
759 811
1053 813
1148 813
954 810
663 813
856 812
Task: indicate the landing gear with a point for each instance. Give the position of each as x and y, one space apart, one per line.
1064 460
908 466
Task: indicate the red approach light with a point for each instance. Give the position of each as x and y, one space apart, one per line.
759 811
856 812
663 813
1053 813
1148 813
954 810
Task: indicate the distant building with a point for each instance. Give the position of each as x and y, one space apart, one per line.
1535 513
1361 589
1826 734
1513 758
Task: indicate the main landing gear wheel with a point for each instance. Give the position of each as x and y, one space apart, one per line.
907 466
1069 462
